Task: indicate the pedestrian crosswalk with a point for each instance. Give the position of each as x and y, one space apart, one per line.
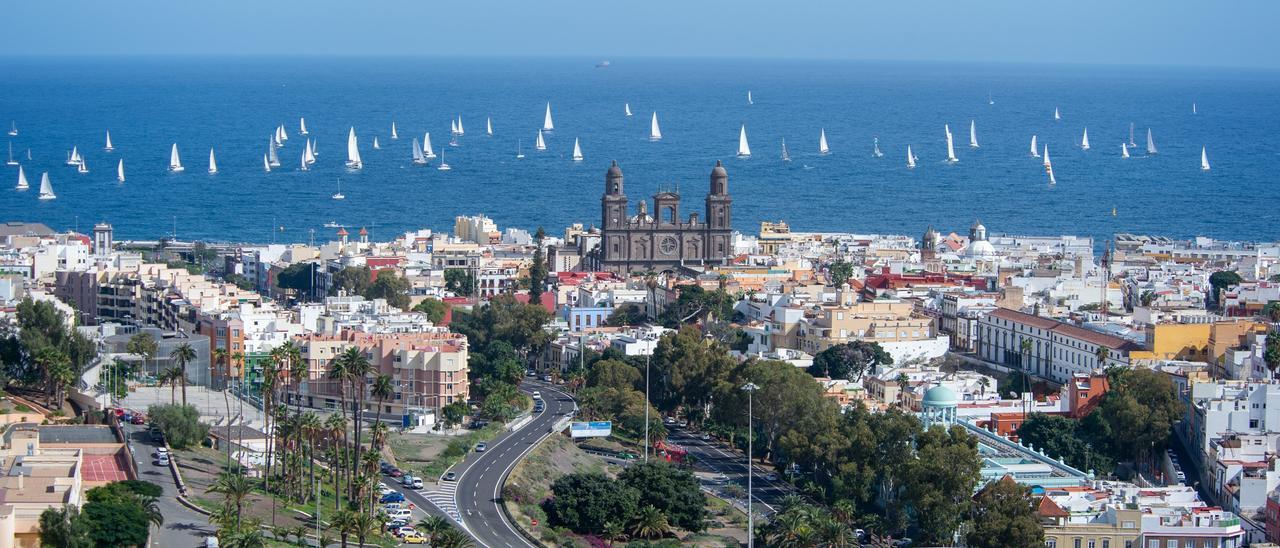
444 497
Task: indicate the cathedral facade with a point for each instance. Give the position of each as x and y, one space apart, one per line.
662 240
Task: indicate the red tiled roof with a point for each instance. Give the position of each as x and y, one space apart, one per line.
1029 319
1050 509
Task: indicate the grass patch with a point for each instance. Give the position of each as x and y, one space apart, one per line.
428 455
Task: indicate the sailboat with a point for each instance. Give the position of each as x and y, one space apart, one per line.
1046 156
213 163
453 127
120 171
453 142
302 126
1034 153
546 120
1113 211
11 161
519 149
309 154
272 157
1084 140
109 148
376 146
875 148
973 134
460 130
427 152
577 151
951 151
1151 144
744 150
83 167
488 126
444 166
1132 144
1048 166
540 144
1124 150
339 195
13 129
990 101
175 163
22 180
418 158
655 134
266 166
626 107
46 188
1204 159
284 136
1193 108
73 158
353 151
1056 114
749 101
393 131
822 142
911 158
304 166
786 156
315 150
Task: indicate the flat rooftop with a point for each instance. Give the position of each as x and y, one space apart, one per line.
76 434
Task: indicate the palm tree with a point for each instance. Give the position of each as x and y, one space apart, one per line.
151 508
1025 346
245 537
1103 354
983 383
378 435
453 538
183 355
343 522
336 429
904 382
171 376
383 388
432 527
365 526
357 366
834 534
235 488
650 523
612 532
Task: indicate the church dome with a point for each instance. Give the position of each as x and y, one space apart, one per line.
940 396
980 248
614 171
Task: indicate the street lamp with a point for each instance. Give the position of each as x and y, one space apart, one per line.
750 388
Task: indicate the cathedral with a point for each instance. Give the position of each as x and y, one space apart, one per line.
662 240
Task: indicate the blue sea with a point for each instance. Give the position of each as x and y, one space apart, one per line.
234 104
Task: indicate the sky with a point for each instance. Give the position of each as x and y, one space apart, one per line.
1236 33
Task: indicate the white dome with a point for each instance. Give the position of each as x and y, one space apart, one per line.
980 248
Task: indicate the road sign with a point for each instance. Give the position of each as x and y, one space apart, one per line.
597 429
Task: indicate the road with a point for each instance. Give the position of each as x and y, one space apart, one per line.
722 459
182 527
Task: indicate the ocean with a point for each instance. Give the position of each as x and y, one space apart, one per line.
234 104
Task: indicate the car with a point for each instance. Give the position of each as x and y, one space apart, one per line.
406 530
537 395
450 476
414 539
160 451
161 460
705 437
139 419
546 378
394 524
720 478
407 480
210 542
771 476
393 506
684 423
391 497
395 473
417 483
384 467
402 513
625 455
668 421
480 447
156 434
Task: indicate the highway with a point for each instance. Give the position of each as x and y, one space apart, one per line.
721 459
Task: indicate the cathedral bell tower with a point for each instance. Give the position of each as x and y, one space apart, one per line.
614 202
719 221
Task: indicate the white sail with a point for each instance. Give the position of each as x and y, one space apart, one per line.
1056 115
353 151
309 155
911 158
655 134
120 171
744 150
284 135
304 166
418 158
973 134
175 163
339 195
11 161
951 151
393 131
108 148
460 130
83 167
627 108
1193 109
1131 143
577 151
213 163
1034 153
786 156
546 120
1124 150
426 147
266 166
1084 140
749 101
13 129
875 147
1052 180
22 179
1204 159
444 166
73 158
302 126
272 157
1151 144
46 188
1047 163
519 149
488 126
540 144
376 146
822 142
315 150
453 127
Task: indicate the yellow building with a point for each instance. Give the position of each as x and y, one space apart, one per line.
876 321
1108 527
1197 342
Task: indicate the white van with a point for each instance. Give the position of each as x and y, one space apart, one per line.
399 513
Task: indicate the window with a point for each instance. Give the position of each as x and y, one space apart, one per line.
1075 543
1106 543
1051 543
1253 423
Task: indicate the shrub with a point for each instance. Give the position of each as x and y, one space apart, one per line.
180 424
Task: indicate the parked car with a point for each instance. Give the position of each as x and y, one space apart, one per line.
161 460
450 476
139 419
394 524
705 437
393 506
384 467
480 447
417 483
391 497
406 531
415 539
402 513
395 473
771 476
407 480
684 423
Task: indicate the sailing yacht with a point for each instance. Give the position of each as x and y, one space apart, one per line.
488 126
444 166
1084 140
990 101
13 129
822 142
1151 144
393 131
519 149
453 142
304 166
120 170
175 163
951 151
1204 159
875 148
376 146
1034 153
309 155
339 195
1056 114
22 180
109 148
973 134
272 157
540 144
302 126
1124 150
626 107
577 151
744 150
453 127
546 120
73 159
1132 144
83 167
266 166
213 163
655 134
1047 163
460 130
46 188
427 152
1193 108
353 151
418 158
749 101
11 161
314 150
911 159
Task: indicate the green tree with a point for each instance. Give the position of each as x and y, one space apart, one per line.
298 278
144 345
460 282
434 309
454 413
180 423
850 360
352 280
1220 281
1062 438
1135 416
839 272
941 480
649 523
390 286
183 355
537 270
1004 515
1271 352
687 370
64 527
585 501
56 370
502 402
627 314
614 374
672 491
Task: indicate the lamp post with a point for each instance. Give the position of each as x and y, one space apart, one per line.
750 388
646 407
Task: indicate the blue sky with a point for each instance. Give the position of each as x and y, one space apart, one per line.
1237 33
